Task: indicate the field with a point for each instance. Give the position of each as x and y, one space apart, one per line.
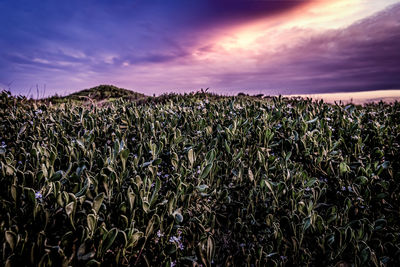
199 180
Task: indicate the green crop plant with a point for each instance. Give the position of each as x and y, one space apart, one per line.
190 180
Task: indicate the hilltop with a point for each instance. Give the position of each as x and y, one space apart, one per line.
99 93
102 92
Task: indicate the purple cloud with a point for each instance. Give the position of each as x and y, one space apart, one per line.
364 56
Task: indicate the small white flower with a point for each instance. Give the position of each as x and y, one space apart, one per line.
38 195
350 189
159 233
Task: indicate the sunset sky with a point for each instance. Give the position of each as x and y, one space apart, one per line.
231 46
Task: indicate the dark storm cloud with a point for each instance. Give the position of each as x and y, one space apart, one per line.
364 56
250 8
209 13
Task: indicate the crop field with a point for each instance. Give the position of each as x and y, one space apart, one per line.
191 180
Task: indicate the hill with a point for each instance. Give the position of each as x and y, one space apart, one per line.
99 93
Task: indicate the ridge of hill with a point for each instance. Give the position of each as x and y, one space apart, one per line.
103 92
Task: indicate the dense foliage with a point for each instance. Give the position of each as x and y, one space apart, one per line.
193 181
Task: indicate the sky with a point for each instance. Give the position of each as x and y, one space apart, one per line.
229 46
